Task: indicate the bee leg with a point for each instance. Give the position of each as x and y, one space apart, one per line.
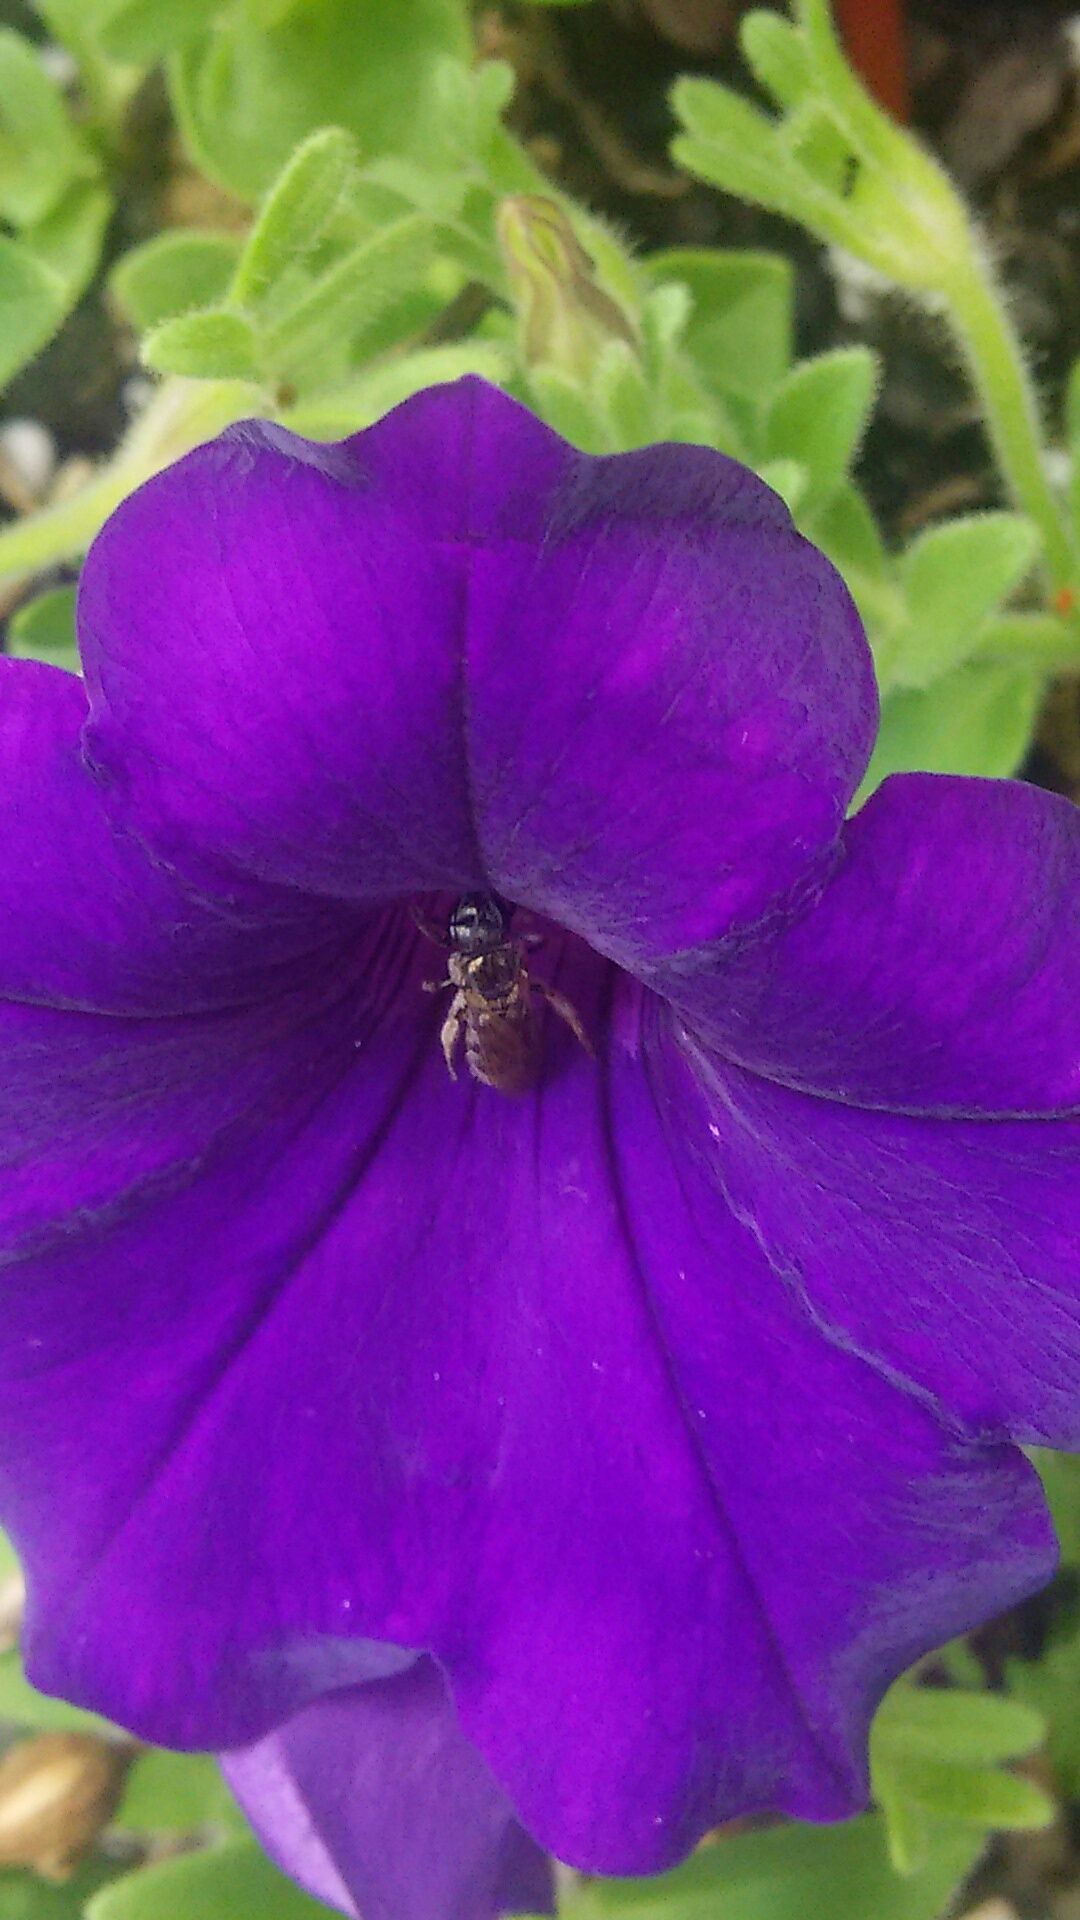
566 1011
452 1029
435 986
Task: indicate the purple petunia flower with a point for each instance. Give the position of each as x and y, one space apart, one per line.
566 1470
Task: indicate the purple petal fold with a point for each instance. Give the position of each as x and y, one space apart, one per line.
504 1380
90 921
939 971
453 652
942 1252
375 1802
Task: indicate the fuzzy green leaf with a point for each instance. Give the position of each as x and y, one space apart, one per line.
344 304
846 530
776 53
31 307
216 344
68 241
819 414
979 720
739 330
623 397
173 273
297 211
955 577
144 31
735 146
41 153
570 409
43 273
248 94
339 411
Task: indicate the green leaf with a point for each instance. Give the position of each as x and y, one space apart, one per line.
68 241
567 407
790 1872
24 1897
247 96
172 274
812 138
331 414
740 149
175 1792
818 416
347 301
43 273
216 344
44 629
26 1707
1051 1685
788 479
739 331
143 31
846 530
950 1724
737 147
979 720
776 53
956 576
297 211
1060 1476
41 154
623 397
977 1796
31 308
233 1882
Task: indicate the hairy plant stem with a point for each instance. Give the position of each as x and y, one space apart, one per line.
998 370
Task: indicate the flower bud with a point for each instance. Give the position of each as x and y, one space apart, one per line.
566 316
57 1792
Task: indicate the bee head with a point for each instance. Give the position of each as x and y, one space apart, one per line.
479 922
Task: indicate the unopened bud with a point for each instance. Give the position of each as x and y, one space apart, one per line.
57 1792
566 316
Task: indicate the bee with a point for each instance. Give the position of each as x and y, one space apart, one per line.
493 1005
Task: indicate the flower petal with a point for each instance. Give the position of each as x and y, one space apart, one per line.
938 972
453 652
943 1251
375 1802
417 1363
90 922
